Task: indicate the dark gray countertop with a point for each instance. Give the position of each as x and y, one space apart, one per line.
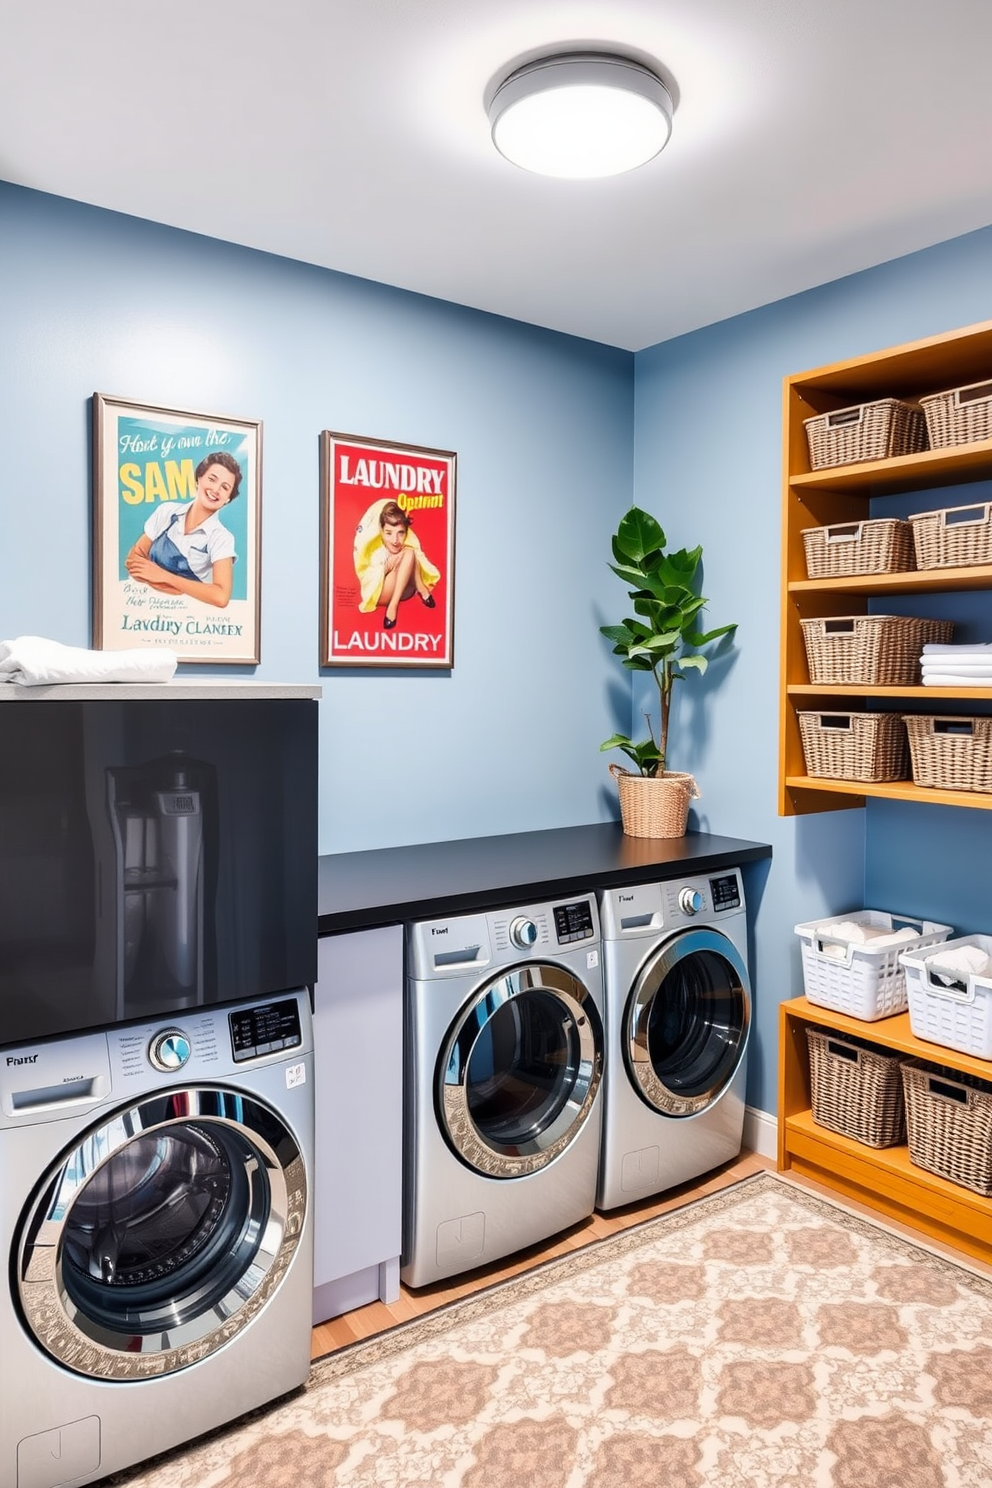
362 890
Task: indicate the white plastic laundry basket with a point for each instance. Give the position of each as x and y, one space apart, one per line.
947 1006
864 981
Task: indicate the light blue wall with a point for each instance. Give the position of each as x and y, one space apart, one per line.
708 463
542 426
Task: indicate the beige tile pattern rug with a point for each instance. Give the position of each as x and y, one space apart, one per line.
762 1336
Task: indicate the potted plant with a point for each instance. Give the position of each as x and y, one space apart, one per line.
662 638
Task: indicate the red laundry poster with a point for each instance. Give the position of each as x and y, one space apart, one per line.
386 553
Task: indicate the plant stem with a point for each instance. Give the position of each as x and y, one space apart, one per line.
664 681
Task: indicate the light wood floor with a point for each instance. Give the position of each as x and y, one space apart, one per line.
379 1317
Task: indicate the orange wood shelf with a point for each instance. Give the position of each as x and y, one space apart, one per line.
841 494
884 1179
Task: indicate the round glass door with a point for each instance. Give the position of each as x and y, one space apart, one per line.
687 1022
520 1070
161 1234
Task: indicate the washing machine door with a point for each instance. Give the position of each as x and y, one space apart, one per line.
686 1022
519 1070
161 1233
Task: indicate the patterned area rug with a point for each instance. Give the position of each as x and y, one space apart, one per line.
762 1336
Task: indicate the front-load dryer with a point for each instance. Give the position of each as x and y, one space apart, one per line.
678 1014
156 1229
504 1060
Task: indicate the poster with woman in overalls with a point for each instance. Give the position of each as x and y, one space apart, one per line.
177 508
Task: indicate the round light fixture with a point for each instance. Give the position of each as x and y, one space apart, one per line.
580 115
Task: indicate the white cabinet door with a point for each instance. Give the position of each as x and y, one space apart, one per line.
358 1059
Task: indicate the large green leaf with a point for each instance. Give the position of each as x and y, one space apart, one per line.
710 635
639 534
618 634
632 576
685 561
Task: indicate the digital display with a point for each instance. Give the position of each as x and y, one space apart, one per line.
726 893
573 922
265 1030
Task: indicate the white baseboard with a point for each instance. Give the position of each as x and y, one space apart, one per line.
760 1133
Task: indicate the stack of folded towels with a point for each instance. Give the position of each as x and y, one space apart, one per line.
957 666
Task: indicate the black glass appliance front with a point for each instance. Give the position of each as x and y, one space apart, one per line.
154 856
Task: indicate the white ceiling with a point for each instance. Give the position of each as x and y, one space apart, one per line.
812 138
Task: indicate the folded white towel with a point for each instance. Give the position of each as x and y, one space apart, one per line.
950 648
957 679
965 961
971 664
34 661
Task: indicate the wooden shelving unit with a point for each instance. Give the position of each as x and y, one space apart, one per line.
842 494
884 1178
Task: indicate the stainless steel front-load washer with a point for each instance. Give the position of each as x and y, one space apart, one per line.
156 1229
504 1060
678 1014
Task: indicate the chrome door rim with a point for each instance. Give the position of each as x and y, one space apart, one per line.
486 1157
637 1016
62 1328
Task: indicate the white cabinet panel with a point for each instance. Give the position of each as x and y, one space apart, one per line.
358 1056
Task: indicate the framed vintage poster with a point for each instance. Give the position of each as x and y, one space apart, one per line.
176 542
387 553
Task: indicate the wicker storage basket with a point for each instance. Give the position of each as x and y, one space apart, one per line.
959 415
856 1089
882 545
854 746
949 1124
870 650
947 1005
867 431
953 537
864 979
654 805
951 753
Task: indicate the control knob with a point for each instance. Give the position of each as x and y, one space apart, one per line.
691 900
523 932
170 1050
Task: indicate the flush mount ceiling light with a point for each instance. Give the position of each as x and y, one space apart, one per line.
580 115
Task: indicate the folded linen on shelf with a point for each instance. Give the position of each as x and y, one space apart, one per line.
956 665
35 661
977 650
958 668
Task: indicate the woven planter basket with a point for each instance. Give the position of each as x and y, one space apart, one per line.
654 805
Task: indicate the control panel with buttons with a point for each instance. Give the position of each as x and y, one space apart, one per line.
573 922
265 1030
